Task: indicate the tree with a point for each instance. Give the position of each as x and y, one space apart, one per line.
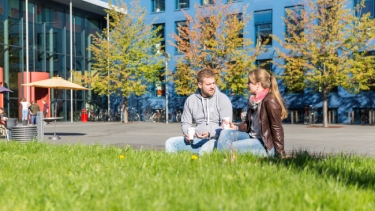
214 38
326 46
125 55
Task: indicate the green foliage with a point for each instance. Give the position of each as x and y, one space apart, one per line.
327 47
214 38
125 59
37 176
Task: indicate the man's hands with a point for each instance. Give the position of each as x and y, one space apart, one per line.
204 135
201 136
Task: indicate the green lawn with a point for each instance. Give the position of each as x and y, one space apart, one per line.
37 176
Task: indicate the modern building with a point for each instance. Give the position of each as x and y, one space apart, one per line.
43 27
47 38
266 19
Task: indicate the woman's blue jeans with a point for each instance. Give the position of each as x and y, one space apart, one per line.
25 114
179 143
241 142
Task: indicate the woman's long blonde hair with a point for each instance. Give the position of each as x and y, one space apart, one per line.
268 81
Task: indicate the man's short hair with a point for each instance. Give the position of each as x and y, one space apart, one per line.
205 73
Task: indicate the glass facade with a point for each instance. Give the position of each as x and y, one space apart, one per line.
49 47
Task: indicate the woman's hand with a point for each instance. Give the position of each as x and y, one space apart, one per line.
232 126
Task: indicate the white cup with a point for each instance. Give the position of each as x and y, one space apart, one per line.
191 132
225 122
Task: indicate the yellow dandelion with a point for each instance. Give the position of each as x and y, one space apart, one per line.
194 157
122 156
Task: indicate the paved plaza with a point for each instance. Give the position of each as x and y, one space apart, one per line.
359 139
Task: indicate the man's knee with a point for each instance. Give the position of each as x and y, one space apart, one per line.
170 145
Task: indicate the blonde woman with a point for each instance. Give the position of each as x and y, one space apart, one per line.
25 109
262 132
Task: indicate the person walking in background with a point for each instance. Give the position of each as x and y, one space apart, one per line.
122 111
207 106
34 108
45 109
25 110
262 132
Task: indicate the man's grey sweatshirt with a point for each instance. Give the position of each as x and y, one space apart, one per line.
207 112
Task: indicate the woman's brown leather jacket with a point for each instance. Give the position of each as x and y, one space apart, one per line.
271 128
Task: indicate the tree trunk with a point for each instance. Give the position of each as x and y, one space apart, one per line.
325 108
325 100
126 115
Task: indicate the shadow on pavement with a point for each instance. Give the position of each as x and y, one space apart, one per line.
65 134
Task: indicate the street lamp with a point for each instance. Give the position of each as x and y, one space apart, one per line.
166 60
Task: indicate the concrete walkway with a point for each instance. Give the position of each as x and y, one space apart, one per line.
338 138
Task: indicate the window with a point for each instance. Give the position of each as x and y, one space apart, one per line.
293 17
159 87
161 33
237 19
369 8
158 5
46 47
372 80
209 36
263 27
206 2
264 64
180 31
182 4
293 70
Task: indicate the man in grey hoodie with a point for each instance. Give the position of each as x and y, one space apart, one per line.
207 106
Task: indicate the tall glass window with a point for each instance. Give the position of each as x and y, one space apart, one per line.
158 5
263 27
294 18
295 68
372 64
182 4
161 33
180 29
158 90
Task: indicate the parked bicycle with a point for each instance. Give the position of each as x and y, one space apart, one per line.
133 115
76 116
156 116
162 116
147 115
178 116
112 116
310 116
